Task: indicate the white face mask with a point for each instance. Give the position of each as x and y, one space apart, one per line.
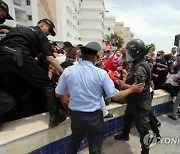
2 36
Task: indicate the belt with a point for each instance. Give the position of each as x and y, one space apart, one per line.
86 112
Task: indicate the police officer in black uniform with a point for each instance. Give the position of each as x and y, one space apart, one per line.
18 50
7 102
138 104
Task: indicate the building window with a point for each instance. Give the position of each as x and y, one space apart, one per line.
28 2
29 17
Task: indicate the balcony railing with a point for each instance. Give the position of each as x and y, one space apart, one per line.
21 20
17 2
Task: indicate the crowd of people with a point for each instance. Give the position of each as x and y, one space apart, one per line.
37 75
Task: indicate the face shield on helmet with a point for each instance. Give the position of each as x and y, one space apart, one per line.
136 48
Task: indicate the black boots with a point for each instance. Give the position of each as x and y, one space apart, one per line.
172 116
1 121
55 119
122 136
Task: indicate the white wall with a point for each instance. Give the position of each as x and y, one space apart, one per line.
34 12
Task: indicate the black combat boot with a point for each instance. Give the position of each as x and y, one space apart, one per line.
1 121
145 151
55 119
122 136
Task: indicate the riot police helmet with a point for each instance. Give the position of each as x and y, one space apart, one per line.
137 48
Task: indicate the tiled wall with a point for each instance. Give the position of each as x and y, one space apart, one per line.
111 127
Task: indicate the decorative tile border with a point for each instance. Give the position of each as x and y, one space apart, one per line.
111 127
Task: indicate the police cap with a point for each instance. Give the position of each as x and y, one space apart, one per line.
91 48
5 7
50 25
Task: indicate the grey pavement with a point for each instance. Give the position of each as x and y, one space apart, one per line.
170 142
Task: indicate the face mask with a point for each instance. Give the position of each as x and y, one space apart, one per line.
70 60
171 71
2 36
129 58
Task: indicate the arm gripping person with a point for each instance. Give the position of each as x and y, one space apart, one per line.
85 83
18 50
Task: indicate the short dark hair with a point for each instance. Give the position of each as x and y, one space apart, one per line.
53 43
66 64
125 63
72 51
67 44
79 45
87 56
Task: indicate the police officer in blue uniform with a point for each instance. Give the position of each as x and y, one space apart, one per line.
86 83
138 105
18 50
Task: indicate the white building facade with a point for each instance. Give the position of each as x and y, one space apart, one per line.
77 21
109 24
91 21
68 21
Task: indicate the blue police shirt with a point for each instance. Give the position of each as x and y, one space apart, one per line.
85 83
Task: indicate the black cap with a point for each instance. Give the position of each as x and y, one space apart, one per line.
5 7
50 24
91 48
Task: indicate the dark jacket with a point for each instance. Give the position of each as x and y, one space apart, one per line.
140 73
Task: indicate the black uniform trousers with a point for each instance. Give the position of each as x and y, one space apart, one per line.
12 77
7 103
141 119
90 123
173 90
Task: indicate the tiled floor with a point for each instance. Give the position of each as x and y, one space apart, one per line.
169 129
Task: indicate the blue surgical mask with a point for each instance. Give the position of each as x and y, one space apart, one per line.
70 60
129 58
2 36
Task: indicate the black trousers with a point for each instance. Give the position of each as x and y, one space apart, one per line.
7 102
173 90
12 77
90 123
141 119
153 122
